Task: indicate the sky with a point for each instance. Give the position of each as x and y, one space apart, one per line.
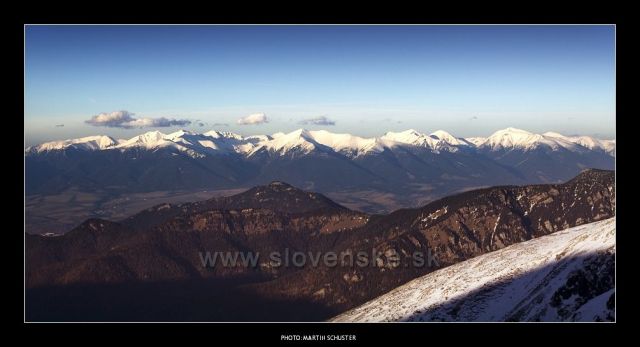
365 80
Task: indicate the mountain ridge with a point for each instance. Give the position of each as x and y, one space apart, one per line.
457 228
509 137
103 253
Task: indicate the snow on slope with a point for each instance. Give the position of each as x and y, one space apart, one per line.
511 138
299 141
411 137
223 135
529 281
450 139
608 146
151 139
436 141
86 143
354 146
194 144
303 141
349 144
476 141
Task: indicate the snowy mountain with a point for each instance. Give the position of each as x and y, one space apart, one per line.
543 157
149 140
398 169
298 142
348 144
193 144
512 138
436 141
607 146
411 137
447 138
223 135
304 141
90 143
564 276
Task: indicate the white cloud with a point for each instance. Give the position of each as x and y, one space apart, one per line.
321 120
256 118
125 119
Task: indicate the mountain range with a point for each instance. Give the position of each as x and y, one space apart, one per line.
374 175
303 141
149 266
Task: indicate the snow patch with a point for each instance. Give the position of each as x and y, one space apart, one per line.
518 280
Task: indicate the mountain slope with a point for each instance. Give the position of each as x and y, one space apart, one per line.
568 275
164 244
276 196
452 229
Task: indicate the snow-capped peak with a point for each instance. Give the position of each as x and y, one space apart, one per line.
300 133
443 135
553 134
407 136
411 137
608 146
149 139
179 133
450 139
304 141
516 138
348 144
438 140
300 141
223 134
98 142
151 136
513 132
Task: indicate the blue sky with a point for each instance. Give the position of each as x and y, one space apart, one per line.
468 80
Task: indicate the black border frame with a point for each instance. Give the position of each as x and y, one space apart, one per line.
243 333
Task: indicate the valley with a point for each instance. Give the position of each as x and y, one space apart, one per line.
58 213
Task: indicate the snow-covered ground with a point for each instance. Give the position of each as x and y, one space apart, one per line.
565 276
